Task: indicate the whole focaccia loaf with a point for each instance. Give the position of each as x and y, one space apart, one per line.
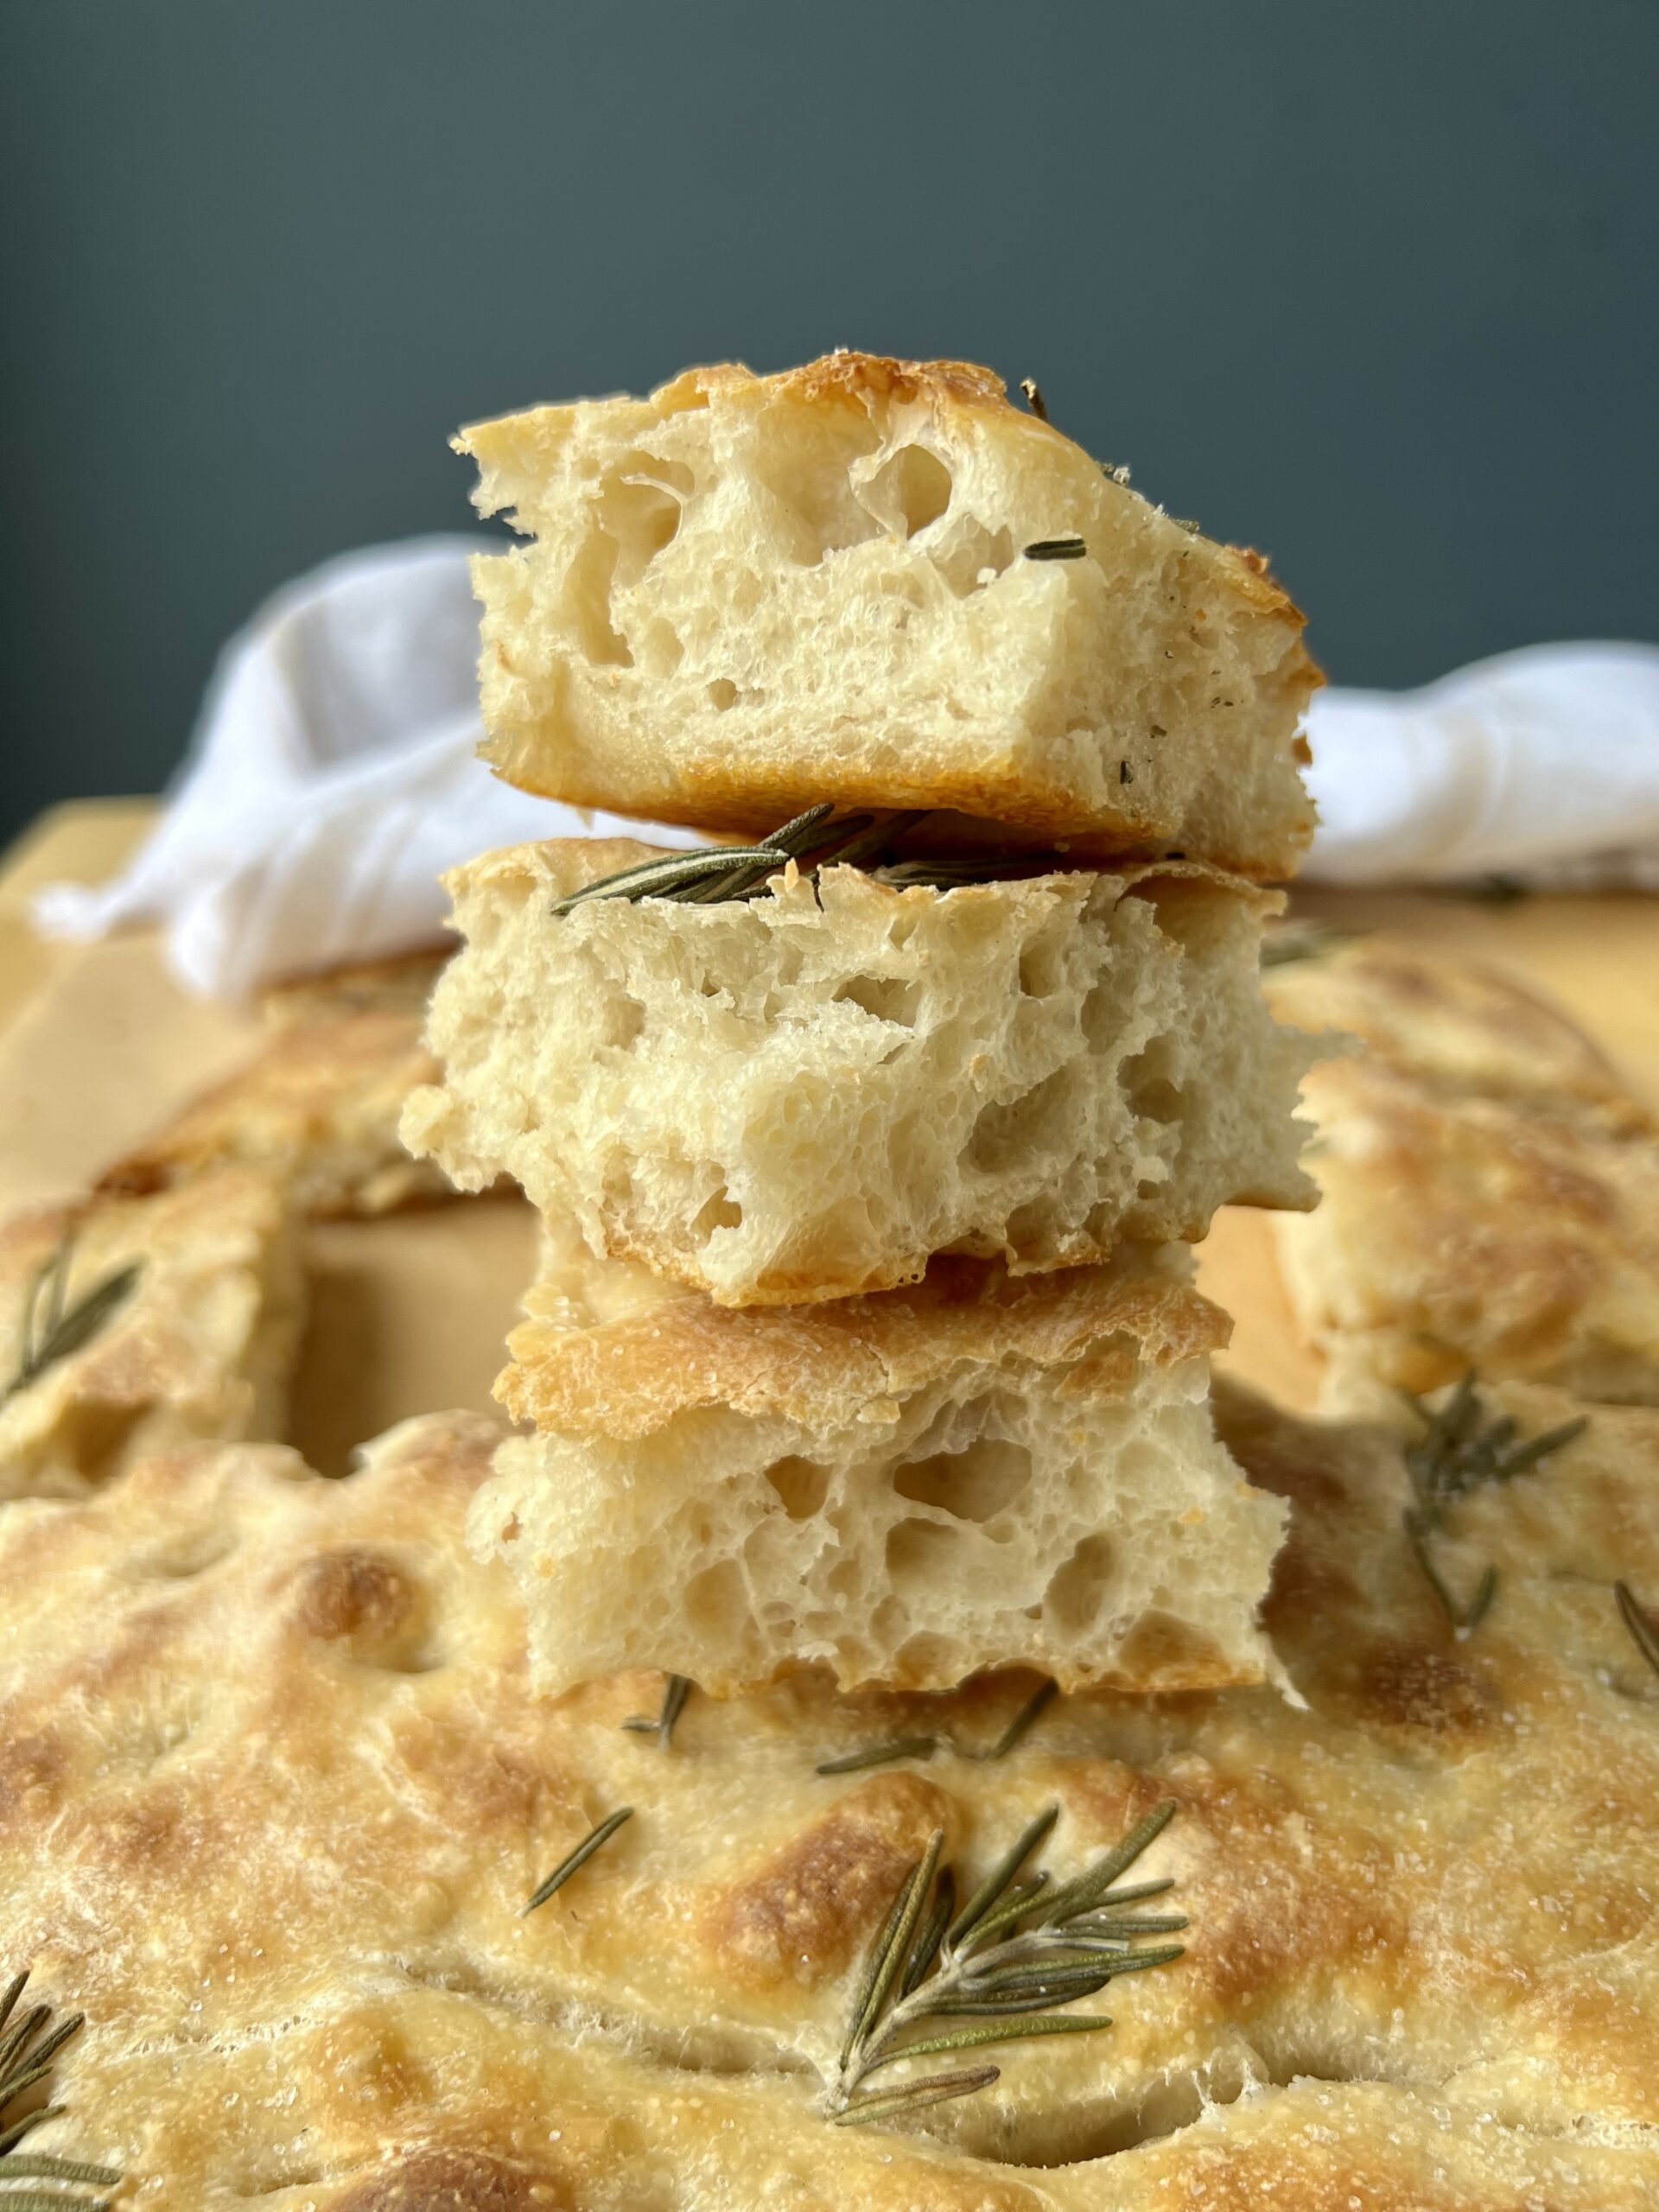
274 1795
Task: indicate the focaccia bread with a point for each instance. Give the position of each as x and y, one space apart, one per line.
906 1488
744 594
1518 1239
806 1094
1461 1028
274 1796
99 1364
318 1108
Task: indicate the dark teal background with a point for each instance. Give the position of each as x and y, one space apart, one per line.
1370 287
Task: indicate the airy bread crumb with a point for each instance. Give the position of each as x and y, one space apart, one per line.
975 1472
747 594
806 1095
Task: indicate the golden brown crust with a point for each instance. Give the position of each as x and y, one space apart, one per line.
849 1357
272 1794
319 1106
1454 1231
200 1347
1462 1027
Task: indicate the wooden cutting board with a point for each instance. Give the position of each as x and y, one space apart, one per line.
98 1045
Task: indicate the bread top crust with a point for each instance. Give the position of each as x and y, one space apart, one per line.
273 1794
847 1359
318 1106
1521 1239
1461 1026
951 391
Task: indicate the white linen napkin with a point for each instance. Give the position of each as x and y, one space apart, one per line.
333 777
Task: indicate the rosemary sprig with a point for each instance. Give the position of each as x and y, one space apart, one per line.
27 2047
52 1330
675 1692
596 1839
1462 1451
1055 549
709 874
1003 1965
923 1747
1638 1622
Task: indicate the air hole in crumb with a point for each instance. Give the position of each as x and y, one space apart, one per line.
974 1485
909 491
588 591
1039 967
927 1657
1077 1589
801 1485
720 1211
712 1600
1148 1091
1007 1131
888 998
722 693
918 1553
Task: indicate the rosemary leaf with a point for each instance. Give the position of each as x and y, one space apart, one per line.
49 2200
27 2124
862 2012
925 1948
38 2166
995 1884
1055 549
1037 1703
44 1339
26 2058
915 2096
904 1927
1462 1451
1034 398
595 1840
1078 1896
1074 2023
1638 1623
674 874
901 1747
675 1692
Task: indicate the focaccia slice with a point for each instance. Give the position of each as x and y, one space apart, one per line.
806 1094
130 1326
974 1473
878 582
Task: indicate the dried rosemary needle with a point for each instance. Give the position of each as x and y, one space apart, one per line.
596 1839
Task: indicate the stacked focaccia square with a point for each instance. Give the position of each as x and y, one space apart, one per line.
865 1145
